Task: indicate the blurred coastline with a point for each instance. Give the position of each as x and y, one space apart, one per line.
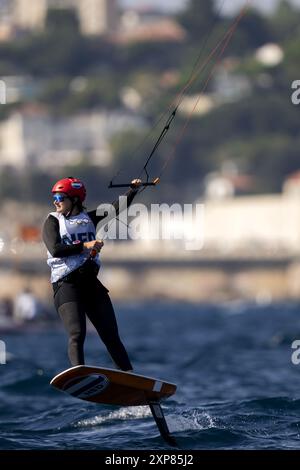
250 251
199 280
83 111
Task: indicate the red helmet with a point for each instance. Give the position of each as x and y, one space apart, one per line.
73 187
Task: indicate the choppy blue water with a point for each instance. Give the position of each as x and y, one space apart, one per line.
237 386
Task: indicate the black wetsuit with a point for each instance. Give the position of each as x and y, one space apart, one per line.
80 293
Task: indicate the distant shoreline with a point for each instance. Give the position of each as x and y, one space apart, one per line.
214 284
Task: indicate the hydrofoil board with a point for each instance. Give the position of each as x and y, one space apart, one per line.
112 387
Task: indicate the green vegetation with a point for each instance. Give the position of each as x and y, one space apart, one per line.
259 131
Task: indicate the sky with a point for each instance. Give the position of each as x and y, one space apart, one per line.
229 5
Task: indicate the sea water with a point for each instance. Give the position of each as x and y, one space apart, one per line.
237 385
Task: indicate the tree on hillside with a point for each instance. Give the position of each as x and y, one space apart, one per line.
252 32
62 22
199 18
285 21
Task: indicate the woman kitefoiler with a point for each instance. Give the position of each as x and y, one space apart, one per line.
73 256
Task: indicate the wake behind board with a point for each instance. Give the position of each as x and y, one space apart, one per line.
115 387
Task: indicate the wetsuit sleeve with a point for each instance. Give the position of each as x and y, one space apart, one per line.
130 196
52 240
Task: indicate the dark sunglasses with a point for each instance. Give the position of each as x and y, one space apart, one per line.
59 198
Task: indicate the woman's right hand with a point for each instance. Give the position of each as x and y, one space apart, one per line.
94 245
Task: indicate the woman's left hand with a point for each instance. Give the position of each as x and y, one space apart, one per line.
136 183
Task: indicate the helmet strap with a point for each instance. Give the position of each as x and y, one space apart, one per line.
72 206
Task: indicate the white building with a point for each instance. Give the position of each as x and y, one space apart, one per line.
253 225
291 185
35 138
29 14
269 54
95 16
15 88
240 227
98 16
